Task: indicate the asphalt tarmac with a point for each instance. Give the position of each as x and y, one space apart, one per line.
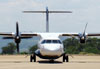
75 62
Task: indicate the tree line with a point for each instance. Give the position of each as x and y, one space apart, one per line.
71 46
11 49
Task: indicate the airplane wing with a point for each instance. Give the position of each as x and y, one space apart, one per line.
77 34
93 34
81 34
11 35
29 34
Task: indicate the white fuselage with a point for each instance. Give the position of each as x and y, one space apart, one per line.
50 47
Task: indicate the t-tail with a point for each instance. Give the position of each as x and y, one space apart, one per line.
47 15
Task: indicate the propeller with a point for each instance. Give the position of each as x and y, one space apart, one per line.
17 37
83 36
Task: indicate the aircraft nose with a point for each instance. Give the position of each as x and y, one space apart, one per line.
52 50
52 47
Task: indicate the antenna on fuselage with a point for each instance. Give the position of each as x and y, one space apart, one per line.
47 15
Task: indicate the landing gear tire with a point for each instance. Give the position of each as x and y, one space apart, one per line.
65 58
33 57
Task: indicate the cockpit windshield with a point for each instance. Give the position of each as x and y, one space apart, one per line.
51 41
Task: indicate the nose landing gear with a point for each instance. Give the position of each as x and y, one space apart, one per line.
65 58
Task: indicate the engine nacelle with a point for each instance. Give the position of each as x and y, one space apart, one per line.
17 39
82 39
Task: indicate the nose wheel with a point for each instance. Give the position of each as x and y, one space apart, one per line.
33 58
65 58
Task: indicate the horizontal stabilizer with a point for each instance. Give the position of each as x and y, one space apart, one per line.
48 12
60 12
34 11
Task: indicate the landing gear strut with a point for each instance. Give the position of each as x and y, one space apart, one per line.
33 57
65 58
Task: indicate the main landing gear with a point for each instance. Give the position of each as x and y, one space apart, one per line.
33 57
65 58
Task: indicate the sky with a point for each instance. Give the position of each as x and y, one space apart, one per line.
83 11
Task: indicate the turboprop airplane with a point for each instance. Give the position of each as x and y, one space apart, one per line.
49 46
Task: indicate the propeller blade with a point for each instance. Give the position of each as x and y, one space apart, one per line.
17 45
17 29
85 28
